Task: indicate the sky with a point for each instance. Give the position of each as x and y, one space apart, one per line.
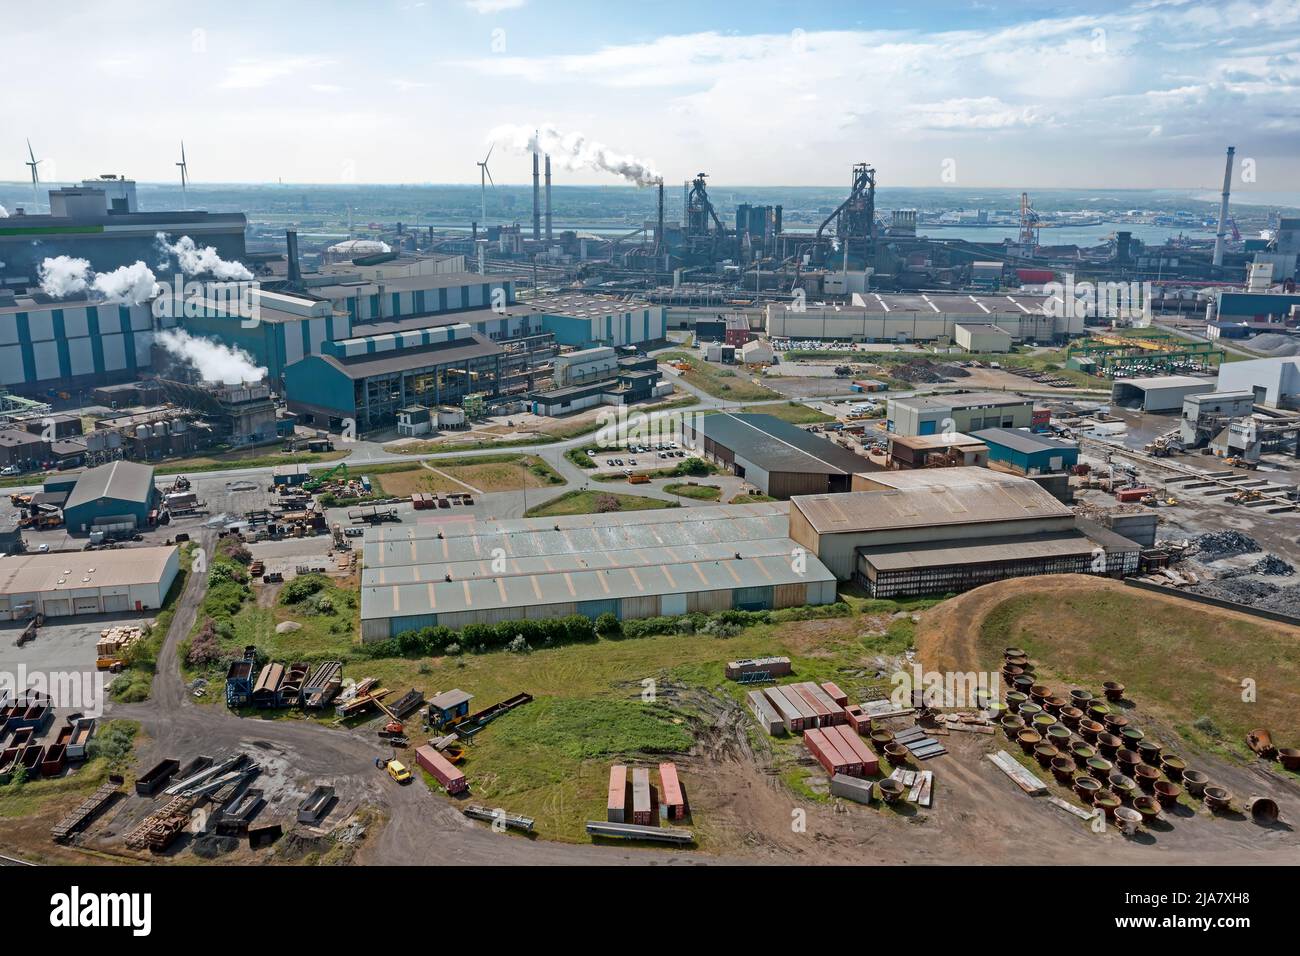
934 93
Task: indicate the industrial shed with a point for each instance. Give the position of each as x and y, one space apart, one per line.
86 582
122 491
1028 453
948 529
982 337
1159 393
778 458
633 565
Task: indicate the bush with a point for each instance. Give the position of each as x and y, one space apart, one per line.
301 588
606 503
607 624
204 648
694 467
518 645
232 548
114 742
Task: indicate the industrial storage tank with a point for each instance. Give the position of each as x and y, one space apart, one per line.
142 431
114 439
178 425
449 416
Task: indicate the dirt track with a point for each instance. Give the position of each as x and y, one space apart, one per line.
978 816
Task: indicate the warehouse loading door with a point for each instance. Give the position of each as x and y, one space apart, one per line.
56 607
116 602
85 605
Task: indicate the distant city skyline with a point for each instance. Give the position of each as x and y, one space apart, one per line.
1001 95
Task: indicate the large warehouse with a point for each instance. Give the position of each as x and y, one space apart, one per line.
949 529
112 493
86 582
632 565
776 457
920 317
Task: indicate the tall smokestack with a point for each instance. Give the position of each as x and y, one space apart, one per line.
548 197
537 200
291 240
660 244
1221 235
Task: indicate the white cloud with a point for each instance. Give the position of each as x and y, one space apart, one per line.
494 6
254 74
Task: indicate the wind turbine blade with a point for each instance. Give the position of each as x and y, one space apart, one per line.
491 146
489 176
30 152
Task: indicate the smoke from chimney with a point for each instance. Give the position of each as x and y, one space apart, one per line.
575 151
212 360
196 260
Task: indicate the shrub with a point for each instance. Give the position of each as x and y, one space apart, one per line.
518 645
301 588
204 648
606 504
694 467
607 623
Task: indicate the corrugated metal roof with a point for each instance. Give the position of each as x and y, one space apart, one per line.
1010 548
121 481
529 590
1023 440
777 445
574 561
929 498
574 541
423 356
1167 381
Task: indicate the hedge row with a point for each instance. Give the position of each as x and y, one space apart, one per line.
432 641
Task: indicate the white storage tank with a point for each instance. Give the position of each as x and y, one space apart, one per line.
142 431
450 416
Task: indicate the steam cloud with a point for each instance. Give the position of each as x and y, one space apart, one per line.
62 276
4 213
214 361
198 260
575 151
128 285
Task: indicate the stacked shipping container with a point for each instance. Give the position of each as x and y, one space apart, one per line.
442 771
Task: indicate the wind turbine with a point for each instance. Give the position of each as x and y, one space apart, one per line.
32 163
185 176
485 177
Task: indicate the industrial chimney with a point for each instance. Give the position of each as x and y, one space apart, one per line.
1221 235
548 197
537 200
661 245
291 239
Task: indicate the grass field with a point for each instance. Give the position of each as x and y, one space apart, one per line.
698 492
749 499
486 473
591 502
792 412
112 751
1187 666
550 759
249 459
720 381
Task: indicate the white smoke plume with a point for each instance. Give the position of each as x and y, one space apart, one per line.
63 276
575 151
199 260
129 285
4 213
214 361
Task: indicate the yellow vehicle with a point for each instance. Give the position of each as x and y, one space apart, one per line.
638 479
397 770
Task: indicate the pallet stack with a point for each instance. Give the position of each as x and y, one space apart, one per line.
113 641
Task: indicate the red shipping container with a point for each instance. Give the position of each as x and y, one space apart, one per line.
1133 494
830 753
442 771
834 713
858 719
821 711
835 694
674 801
870 763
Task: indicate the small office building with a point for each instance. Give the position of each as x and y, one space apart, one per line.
1028 453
